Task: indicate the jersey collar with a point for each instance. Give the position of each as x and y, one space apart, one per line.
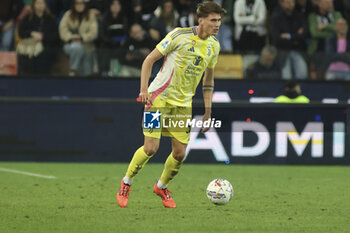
194 29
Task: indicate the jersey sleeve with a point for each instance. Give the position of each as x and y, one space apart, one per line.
214 59
168 44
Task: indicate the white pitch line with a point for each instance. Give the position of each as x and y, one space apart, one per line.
26 173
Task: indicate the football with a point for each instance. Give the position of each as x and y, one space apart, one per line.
219 191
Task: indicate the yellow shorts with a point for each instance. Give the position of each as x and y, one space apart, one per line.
173 121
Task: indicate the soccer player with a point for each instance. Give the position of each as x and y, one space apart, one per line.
189 52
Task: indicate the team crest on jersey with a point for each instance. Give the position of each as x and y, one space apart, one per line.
193 42
198 60
165 44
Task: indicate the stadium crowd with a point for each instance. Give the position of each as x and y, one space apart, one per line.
285 39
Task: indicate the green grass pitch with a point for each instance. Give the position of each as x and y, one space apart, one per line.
266 199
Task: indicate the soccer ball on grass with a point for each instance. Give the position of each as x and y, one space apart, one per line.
219 191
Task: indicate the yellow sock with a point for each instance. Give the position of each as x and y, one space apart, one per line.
139 159
171 168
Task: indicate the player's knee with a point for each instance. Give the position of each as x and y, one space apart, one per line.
179 155
150 149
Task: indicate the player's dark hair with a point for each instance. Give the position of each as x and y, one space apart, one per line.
205 8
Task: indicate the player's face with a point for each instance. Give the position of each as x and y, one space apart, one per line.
211 24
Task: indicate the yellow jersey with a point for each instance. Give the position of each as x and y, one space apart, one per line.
186 58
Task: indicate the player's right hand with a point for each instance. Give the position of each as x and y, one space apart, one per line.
145 98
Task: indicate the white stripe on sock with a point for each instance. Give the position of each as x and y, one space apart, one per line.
160 185
127 180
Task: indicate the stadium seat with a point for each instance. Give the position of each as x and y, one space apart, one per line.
229 66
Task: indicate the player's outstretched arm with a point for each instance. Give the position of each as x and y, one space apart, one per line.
208 88
146 70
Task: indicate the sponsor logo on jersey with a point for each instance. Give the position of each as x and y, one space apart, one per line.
198 60
191 49
165 44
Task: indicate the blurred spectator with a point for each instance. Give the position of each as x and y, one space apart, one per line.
314 4
185 5
292 94
128 10
113 34
304 6
38 26
164 21
266 67
78 29
188 16
143 11
228 5
101 7
54 6
288 29
271 5
138 46
250 30
9 11
337 52
98 7
225 38
225 33
321 26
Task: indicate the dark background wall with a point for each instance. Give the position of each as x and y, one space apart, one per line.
99 120
128 88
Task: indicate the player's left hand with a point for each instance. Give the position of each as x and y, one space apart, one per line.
145 98
207 116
